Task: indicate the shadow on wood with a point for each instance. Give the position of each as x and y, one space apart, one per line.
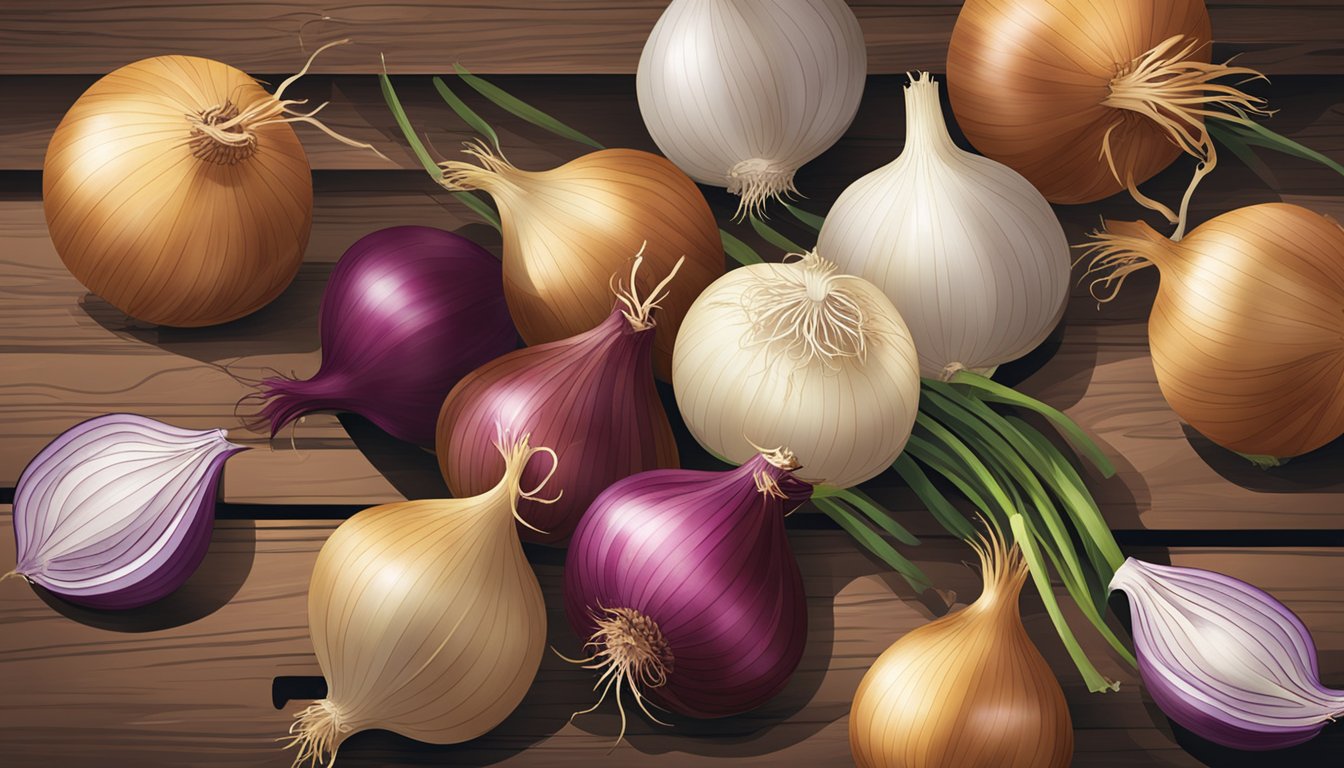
1315 471
221 574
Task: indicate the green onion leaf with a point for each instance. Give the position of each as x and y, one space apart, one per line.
864 504
947 515
520 108
874 543
1231 140
1257 135
810 220
774 238
467 114
740 252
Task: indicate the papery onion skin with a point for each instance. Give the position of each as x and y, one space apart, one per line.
969 689
569 229
846 415
143 218
407 312
1225 659
705 557
742 93
1246 328
968 251
75 484
591 398
1027 79
426 618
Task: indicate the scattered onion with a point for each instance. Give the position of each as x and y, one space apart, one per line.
407 312
175 189
796 354
1245 331
966 248
426 618
969 689
1224 659
590 397
569 229
685 589
741 93
1089 97
117 512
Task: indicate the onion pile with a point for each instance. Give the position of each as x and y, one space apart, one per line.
1245 331
569 229
426 617
798 354
591 398
685 590
741 93
407 312
117 512
1086 98
175 189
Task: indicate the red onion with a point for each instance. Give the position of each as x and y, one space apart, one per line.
591 398
685 589
1225 659
117 512
407 313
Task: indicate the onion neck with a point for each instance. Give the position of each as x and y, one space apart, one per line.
925 127
491 172
1003 572
517 453
638 311
1120 249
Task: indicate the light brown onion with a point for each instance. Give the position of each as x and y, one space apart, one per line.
176 190
1247 330
1086 98
569 229
969 689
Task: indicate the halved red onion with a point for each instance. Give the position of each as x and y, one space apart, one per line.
590 398
684 588
117 512
1225 659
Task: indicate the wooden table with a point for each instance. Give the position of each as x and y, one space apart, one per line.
211 675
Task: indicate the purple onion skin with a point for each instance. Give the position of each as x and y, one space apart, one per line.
408 311
705 555
591 398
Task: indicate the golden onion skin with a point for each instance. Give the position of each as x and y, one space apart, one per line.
1247 330
969 690
1026 80
158 231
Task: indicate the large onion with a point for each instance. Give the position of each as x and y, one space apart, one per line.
176 190
1089 97
1247 325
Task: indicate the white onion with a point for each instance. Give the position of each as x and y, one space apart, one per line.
794 354
741 93
970 252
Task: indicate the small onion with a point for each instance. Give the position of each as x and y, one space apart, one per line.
685 589
1086 98
591 398
741 93
407 312
969 689
569 229
426 618
966 248
117 512
175 189
795 354
1224 659
1245 331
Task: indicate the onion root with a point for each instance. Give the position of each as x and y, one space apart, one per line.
631 652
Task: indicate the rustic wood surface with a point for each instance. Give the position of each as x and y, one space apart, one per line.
557 36
189 682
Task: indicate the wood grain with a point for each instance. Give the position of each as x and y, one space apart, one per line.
533 36
189 681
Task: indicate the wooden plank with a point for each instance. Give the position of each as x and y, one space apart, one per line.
189 681
534 36
1310 110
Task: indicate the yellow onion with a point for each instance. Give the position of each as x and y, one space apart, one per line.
569 229
176 190
1086 98
1247 330
969 690
426 617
